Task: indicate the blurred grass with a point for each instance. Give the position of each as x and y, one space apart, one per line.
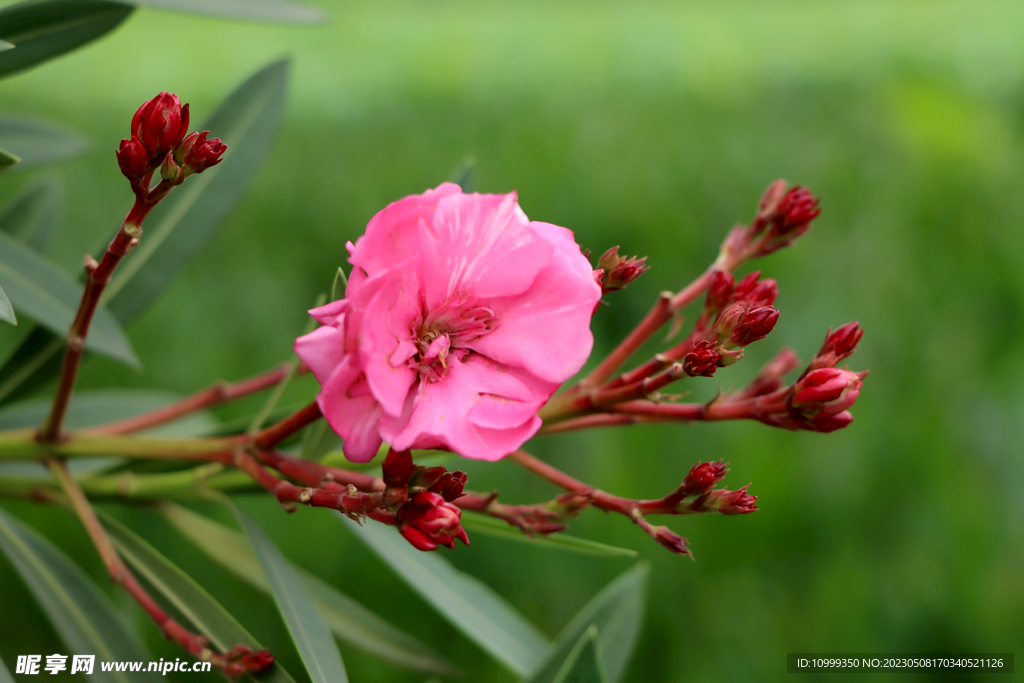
654 126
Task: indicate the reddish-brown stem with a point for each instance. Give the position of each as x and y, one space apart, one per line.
530 519
655 364
267 438
314 474
660 314
217 394
347 500
590 421
193 643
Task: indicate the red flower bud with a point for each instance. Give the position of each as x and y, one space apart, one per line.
702 360
133 159
256 662
745 286
797 208
619 271
160 124
669 539
737 502
397 468
763 293
755 325
702 477
842 342
450 485
198 154
827 423
827 391
719 290
428 519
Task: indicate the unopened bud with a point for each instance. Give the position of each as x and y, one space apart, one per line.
737 502
719 290
397 468
702 360
199 154
450 485
827 391
669 539
169 170
745 286
619 271
160 124
133 159
838 345
796 209
754 325
702 477
769 203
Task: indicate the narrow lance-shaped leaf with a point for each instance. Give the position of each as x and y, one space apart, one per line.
6 310
37 142
43 29
584 663
474 522
179 227
7 160
310 634
4 45
32 216
478 612
81 615
5 675
347 619
48 295
277 11
617 612
187 597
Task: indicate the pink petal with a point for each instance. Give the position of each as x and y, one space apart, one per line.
436 415
354 419
547 328
388 320
330 314
479 246
391 234
322 350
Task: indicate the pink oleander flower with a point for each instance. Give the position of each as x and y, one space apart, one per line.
461 319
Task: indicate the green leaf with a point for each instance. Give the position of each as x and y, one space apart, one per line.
181 591
5 675
179 227
483 524
79 612
584 665
48 295
6 310
348 620
92 408
310 634
4 45
7 160
617 612
37 143
43 29
478 612
32 216
277 11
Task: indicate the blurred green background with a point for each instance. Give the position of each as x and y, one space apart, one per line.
654 125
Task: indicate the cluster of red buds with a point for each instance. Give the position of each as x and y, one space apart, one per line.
735 315
821 397
159 141
241 659
784 214
422 498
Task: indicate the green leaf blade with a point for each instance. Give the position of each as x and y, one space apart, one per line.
6 310
617 613
5 675
81 615
478 612
34 213
7 160
180 590
38 143
44 29
276 11
309 632
48 295
177 229
584 664
349 620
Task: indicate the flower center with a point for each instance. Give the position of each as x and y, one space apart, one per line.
448 330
